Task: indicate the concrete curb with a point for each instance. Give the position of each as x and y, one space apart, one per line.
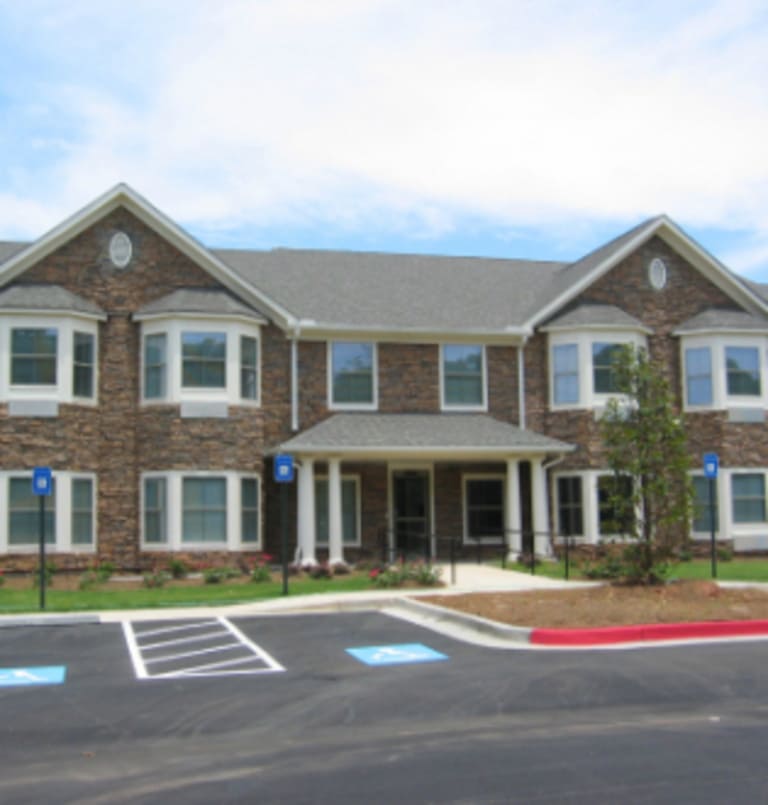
65 619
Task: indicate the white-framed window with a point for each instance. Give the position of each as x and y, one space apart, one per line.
748 497
200 511
352 375
570 505
463 377
350 510
703 509
581 366
70 513
196 360
724 371
52 359
484 508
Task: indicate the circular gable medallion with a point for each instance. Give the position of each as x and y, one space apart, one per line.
657 273
120 250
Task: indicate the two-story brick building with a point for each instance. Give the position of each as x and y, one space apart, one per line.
422 397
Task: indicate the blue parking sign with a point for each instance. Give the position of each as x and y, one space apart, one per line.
284 469
711 465
41 481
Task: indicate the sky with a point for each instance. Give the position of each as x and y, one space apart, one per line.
509 128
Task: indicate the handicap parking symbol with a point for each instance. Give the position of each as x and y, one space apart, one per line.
42 675
396 655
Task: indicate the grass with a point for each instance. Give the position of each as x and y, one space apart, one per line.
28 600
733 570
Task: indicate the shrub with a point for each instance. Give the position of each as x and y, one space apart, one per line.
215 575
157 578
50 571
425 574
2 578
104 571
321 571
87 580
724 553
341 569
261 572
178 568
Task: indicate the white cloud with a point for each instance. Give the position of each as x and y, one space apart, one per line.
385 112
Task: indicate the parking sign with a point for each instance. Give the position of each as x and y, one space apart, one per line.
284 469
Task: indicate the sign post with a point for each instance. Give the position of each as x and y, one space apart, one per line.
711 467
41 486
284 474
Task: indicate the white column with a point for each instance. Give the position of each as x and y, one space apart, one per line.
335 545
591 508
541 542
513 523
307 537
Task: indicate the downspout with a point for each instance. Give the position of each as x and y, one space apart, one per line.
521 384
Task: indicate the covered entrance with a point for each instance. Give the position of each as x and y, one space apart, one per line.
411 515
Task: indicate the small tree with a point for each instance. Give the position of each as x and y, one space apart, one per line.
645 441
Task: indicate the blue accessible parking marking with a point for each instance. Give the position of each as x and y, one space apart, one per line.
43 675
396 655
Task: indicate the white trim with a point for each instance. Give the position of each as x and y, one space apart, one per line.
481 476
483 405
63 390
174 511
174 328
556 476
353 406
62 514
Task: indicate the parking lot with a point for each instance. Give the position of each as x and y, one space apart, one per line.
363 706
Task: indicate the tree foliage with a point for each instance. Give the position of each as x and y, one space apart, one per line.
645 440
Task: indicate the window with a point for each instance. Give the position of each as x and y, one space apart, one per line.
615 505
604 359
155 357
702 512
24 513
33 356
463 373
249 367
204 510
748 497
155 512
352 374
204 360
565 372
743 371
249 510
484 500
698 375
82 511
570 508
83 365
349 511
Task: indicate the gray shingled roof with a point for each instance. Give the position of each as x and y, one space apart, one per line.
397 291
725 320
199 300
9 248
47 297
594 316
443 433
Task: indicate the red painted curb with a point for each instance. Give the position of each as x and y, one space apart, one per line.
656 631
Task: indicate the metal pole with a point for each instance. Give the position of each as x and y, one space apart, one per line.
567 557
713 546
284 534
42 551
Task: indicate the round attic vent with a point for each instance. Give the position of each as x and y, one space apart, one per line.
657 273
120 250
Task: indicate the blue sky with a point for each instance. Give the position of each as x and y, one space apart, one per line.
519 128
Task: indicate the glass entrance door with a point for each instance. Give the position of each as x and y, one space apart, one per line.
411 513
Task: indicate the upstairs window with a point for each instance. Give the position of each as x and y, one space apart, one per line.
604 360
249 368
83 365
698 375
352 379
33 356
565 360
155 363
204 360
742 365
463 375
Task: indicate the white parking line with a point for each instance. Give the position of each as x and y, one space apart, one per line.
142 657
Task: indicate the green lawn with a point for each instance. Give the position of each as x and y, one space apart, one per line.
734 570
28 600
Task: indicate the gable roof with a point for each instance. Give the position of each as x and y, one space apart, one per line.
50 298
448 434
596 317
717 319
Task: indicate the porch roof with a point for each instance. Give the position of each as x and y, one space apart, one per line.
378 435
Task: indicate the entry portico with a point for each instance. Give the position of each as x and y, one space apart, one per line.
431 466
